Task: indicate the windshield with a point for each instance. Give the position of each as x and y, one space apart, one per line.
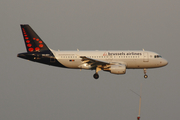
157 56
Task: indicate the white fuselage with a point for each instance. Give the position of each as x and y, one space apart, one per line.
132 59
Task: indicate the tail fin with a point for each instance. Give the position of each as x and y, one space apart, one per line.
32 41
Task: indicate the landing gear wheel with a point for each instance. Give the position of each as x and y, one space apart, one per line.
96 76
145 76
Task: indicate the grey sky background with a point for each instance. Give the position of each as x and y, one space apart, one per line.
33 91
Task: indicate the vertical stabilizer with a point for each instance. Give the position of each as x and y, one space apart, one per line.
32 41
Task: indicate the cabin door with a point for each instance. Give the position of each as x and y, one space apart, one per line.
145 57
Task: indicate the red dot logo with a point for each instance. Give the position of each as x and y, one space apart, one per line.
26 38
27 41
31 49
105 54
41 45
34 38
29 45
40 41
37 39
37 48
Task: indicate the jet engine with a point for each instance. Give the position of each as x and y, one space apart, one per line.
117 69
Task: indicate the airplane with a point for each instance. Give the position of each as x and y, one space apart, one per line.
115 62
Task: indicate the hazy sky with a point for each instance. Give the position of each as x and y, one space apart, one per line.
33 91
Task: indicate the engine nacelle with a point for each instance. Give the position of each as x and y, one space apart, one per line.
118 69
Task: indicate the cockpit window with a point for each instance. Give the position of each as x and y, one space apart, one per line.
157 56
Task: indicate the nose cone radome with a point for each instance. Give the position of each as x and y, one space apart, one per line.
164 62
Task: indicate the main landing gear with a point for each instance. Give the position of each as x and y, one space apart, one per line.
145 76
96 75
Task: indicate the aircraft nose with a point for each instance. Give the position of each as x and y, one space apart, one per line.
165 62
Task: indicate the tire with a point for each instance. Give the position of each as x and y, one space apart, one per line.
96 76
145 76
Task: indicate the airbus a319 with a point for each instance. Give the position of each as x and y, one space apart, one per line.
115 62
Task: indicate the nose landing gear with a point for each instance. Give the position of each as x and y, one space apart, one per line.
145 76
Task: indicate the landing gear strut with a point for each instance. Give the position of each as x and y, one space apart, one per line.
145 76
96 75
